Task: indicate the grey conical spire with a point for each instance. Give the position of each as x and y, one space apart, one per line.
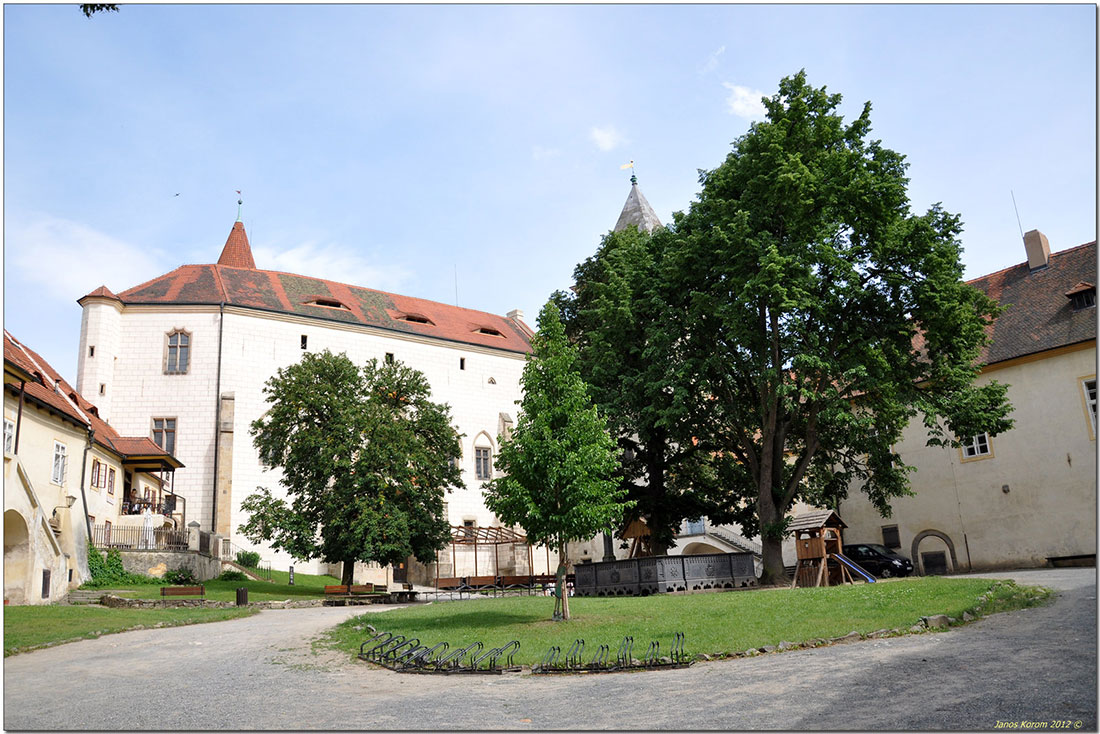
637 211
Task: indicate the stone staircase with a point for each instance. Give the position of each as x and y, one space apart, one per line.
85 596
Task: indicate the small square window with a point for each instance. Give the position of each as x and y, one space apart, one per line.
976 447
389 357
1089 386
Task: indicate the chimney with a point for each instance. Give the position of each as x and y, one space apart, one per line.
1038 249
515 314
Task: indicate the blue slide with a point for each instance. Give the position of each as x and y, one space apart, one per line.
854 568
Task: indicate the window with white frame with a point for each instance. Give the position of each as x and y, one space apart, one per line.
1089 386
60 462
976 446
483 463
177 353
110 481
164 434
9 436
95 473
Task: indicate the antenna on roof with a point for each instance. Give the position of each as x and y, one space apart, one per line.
1017 214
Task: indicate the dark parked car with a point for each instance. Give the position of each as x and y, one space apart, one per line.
878 559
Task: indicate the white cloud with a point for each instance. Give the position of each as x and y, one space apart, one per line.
331 262
745 102
68 259
540 153
606 138
712 62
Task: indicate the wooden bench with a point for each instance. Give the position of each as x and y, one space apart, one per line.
183 591
339 589
448 584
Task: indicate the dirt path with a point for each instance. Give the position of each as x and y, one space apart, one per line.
258 673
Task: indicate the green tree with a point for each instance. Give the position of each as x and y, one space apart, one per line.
90 9
818 316
560 461
366 459
622 333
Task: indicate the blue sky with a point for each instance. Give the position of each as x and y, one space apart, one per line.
393 146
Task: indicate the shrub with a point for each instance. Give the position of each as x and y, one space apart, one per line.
181 576
232 576
248 559
108 571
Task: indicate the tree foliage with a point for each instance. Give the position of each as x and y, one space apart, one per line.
560 462
90 9
366 459
620 326
818 316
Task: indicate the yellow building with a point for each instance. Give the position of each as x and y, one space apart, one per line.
1027 497
68 474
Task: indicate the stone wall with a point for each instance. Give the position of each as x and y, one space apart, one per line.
158 563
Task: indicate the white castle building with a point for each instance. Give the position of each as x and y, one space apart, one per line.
183 358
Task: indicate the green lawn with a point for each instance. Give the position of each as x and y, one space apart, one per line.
30 627
305 586
714 623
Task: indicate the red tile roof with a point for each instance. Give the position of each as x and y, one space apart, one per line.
237 253
56 394
1039 316
101 292
267 290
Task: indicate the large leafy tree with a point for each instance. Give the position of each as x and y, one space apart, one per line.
818 316
366 459
622 333
560 462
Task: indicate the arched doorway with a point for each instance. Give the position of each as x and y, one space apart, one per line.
17 557
698 549
937 555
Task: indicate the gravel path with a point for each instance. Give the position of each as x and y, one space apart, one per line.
1034 665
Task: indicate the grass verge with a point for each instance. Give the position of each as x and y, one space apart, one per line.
32 627
715 624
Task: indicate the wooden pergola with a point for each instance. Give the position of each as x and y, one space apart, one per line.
495 536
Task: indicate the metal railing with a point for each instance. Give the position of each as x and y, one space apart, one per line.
139 538
229 552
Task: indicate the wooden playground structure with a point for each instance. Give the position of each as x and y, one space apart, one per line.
819 541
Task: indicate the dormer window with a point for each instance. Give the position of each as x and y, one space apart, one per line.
1082 296
177 352
488 331
326 303
415 318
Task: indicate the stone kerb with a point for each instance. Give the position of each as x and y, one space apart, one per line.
117 602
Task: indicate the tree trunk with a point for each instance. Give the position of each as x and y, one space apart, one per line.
347 572
771 545
560 589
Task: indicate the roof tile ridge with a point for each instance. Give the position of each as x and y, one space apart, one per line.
1053 255
221 283
57 383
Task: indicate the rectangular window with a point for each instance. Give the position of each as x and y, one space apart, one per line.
976 447
389 357
91 351
9 436
102 388
305 341
1090 401
110 481
45 583
179 348
462 363
107 531
483 463
57 476
164 434
890 536
95 472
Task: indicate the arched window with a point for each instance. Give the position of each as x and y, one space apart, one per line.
177 353
483 457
